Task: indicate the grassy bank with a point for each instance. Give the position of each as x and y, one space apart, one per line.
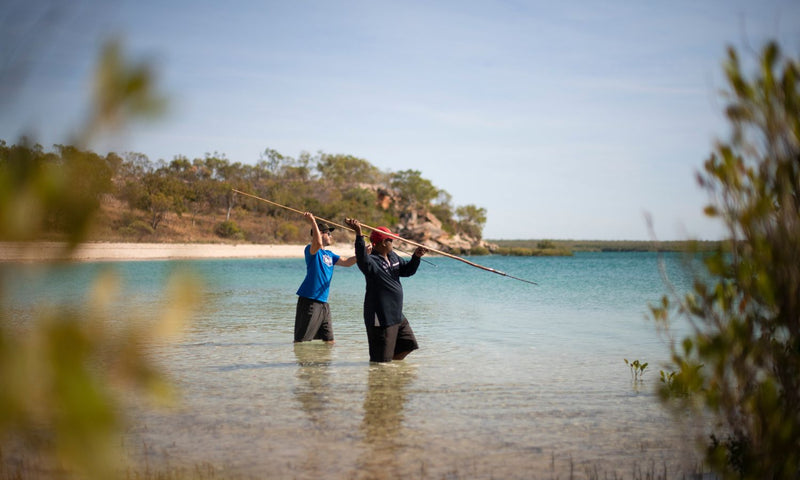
545 247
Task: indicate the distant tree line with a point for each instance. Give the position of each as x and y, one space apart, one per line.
328 185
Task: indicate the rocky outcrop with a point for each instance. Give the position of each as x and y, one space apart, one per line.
422 226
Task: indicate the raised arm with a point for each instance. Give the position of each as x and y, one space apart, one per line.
356 226
360 247
316 236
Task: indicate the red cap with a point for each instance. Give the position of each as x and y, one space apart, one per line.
376 236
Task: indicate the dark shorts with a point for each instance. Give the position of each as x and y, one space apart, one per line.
386 342
312 321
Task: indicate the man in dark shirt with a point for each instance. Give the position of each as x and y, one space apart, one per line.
388 331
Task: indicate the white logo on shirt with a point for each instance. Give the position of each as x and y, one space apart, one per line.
328 260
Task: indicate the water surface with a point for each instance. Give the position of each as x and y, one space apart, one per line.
511 381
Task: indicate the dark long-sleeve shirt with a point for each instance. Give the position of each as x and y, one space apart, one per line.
383 300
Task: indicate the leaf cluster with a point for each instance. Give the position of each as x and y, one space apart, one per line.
67 371
637 370
741 364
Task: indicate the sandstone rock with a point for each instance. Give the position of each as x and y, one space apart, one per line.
423 226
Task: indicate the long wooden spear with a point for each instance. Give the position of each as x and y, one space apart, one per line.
411 242
318 218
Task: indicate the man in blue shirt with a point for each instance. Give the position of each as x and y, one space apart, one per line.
313 316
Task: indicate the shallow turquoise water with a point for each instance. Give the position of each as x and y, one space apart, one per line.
511 381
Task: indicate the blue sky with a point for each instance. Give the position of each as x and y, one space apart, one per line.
565 120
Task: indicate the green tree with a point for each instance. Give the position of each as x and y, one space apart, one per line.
86 174
415 190
357 203
271 161
442 208
471 220
741 363
206 193
161 194
231 176
89 176
134 166
347 170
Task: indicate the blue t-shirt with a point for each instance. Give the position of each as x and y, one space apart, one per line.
319 271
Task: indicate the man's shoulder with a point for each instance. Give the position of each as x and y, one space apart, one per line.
320 251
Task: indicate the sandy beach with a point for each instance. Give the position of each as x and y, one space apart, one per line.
103 251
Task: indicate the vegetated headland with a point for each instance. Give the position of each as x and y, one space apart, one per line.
200 227
195 201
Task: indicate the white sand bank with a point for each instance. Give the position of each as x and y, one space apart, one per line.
101 251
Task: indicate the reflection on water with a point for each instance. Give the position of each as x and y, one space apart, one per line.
376 448
383 427
313 388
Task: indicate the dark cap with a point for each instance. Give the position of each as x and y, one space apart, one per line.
323 227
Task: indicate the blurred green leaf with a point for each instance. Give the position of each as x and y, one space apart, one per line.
742 362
